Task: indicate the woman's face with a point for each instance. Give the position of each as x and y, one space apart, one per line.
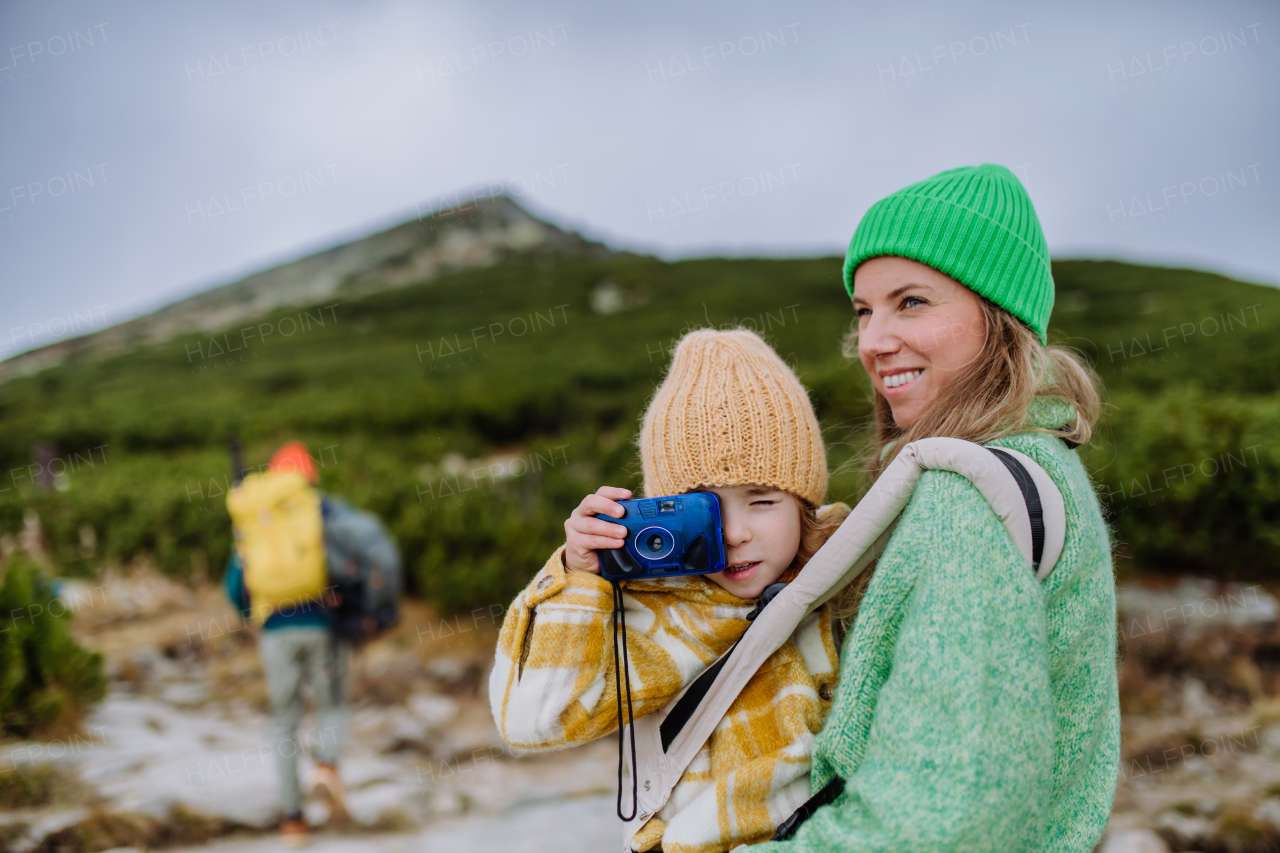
918 329
761 537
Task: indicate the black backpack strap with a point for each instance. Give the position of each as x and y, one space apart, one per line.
683 710
1030 494
692 697
825 797
833 789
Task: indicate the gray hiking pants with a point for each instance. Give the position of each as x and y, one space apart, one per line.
294 657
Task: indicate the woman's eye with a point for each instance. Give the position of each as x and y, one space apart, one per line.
862 312
912 301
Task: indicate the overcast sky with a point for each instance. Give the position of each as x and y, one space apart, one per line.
149 151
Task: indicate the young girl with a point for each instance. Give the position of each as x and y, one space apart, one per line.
731 418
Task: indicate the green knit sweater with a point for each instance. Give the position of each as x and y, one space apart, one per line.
977 709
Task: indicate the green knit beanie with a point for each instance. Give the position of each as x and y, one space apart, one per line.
977 225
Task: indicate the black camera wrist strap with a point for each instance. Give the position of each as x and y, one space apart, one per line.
622 671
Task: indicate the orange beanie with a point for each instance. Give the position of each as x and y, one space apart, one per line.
731 412
293 458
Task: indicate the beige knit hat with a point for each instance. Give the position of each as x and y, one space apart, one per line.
731 412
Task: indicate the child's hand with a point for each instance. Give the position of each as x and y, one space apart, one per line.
584 533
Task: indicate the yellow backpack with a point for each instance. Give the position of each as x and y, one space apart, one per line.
279 534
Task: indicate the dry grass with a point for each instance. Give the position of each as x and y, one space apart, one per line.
105 830
31 786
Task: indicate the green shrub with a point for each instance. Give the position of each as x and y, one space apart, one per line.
378 400
1192 482
46 679
484 543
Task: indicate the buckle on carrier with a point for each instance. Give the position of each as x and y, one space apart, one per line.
770 593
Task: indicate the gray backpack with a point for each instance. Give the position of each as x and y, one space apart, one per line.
363 563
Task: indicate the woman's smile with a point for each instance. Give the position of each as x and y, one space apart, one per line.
899 381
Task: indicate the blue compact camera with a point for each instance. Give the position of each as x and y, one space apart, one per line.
677 535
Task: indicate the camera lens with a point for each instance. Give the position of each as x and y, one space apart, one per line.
655 543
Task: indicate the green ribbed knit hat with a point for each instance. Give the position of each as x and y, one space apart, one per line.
977 225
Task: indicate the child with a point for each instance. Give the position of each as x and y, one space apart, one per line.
730 418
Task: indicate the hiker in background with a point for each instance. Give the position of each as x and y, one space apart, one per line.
318 577
276 576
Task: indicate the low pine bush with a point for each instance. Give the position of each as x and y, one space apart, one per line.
47 680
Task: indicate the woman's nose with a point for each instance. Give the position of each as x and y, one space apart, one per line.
876 337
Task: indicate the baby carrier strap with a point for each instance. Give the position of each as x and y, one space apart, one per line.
1023 496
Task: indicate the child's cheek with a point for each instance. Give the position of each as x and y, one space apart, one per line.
786 535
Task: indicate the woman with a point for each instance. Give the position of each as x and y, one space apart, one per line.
977 709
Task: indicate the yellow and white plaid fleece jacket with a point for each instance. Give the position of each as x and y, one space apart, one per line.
553 685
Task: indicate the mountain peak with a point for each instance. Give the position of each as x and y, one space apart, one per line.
470 236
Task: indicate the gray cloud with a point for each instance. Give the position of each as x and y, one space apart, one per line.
150 151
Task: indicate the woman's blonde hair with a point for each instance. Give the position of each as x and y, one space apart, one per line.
990 399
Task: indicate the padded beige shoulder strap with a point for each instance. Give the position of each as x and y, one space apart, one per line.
857 542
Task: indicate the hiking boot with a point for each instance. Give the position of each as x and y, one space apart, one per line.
294 832
328 788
